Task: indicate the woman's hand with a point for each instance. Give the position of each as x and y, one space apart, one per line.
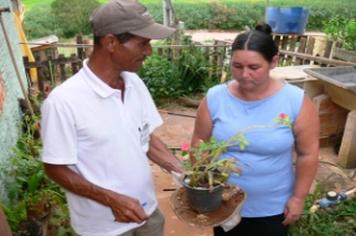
293 210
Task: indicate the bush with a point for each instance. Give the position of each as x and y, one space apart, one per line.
342 30
39 22
73 18
187 74
161 77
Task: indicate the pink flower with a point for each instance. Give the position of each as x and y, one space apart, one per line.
283 116
185 147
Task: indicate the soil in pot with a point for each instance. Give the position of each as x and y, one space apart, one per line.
181 207
204 199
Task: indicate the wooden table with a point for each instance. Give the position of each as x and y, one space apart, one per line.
342 91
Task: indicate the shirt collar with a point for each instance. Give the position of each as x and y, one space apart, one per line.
99 86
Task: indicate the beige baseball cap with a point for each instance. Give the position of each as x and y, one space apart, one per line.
127 16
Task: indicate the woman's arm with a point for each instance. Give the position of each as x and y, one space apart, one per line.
306 131
203 124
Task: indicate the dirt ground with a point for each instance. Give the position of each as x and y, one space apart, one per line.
178 129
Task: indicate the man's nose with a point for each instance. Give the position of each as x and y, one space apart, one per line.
148 50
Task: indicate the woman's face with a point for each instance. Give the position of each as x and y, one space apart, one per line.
250 68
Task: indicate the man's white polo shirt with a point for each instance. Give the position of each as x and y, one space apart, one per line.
86 125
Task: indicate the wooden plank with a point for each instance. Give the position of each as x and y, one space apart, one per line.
277 40
313 88
62 71
347 153
293 42
301 49
341 96
284 45
301 56
74 64
310 49
80 50
328 47
344 54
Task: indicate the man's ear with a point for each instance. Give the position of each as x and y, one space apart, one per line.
109 42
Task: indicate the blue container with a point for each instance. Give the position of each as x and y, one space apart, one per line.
287 20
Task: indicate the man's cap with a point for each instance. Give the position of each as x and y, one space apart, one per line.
127 16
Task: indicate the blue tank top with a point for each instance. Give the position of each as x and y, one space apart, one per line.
267 167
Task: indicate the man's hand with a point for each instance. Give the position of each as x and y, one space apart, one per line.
172 166
126 209
293 210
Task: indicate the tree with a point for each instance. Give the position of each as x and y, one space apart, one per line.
39 22
72 16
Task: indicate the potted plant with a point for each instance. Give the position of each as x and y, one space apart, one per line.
206 173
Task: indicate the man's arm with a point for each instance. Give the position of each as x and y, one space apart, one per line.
162 156
125 209
306 131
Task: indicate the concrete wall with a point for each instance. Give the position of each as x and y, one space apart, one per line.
10 116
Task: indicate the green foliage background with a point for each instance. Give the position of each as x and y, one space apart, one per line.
197 14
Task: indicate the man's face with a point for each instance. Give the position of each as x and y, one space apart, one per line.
130 55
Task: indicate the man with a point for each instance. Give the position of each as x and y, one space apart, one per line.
97 129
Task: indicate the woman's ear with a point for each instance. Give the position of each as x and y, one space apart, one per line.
274 61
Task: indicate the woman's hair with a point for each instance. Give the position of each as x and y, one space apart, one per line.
259 40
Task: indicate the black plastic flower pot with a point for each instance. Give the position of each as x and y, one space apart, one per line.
203 199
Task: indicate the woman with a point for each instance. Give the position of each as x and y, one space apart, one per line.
277 120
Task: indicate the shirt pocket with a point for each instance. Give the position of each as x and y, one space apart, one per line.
144 130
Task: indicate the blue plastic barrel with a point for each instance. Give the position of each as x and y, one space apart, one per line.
287 20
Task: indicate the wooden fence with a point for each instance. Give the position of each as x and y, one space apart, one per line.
54 68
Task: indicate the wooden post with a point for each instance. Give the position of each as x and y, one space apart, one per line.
277 40
347 153
62 71
310 49
168 13
74 63
293 41
284 46
220 58
80 50
301 49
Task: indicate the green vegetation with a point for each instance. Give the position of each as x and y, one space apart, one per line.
73 18
198 14
337 220
190 72
343 31
32 196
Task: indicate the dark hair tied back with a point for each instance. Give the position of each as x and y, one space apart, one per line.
259 40
263 27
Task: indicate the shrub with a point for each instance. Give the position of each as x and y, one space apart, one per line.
73 18
342 30
187 74
39 22
161 77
